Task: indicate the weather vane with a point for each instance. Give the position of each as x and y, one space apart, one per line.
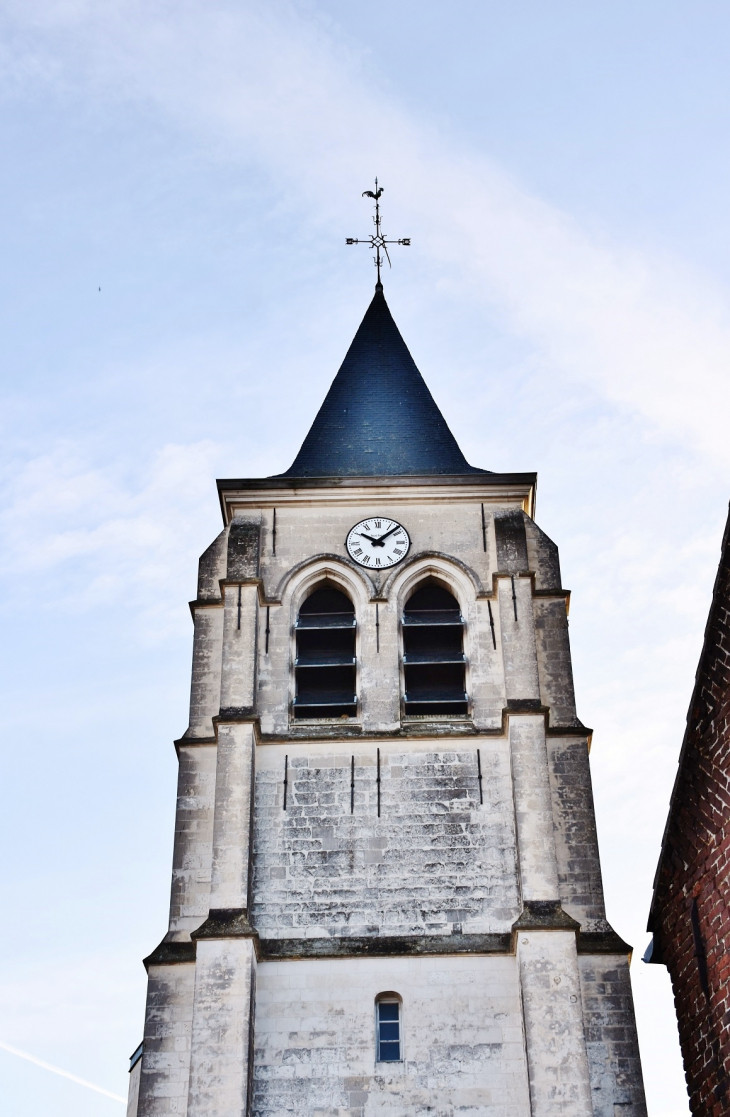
378 240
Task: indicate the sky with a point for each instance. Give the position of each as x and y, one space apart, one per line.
177 182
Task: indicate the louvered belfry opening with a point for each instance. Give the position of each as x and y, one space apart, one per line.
433 653
325 659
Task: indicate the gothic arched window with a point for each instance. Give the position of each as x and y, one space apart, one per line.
433 652
388 1032
325 655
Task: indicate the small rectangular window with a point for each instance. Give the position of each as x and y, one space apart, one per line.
388 1032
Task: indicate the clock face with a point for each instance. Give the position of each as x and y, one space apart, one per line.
377 543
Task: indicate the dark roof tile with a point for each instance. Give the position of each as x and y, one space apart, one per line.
379 418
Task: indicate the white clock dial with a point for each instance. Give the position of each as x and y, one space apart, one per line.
377 543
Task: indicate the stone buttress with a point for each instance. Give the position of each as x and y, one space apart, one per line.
446 864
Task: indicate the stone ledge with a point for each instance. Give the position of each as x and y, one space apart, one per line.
315 731
525 706
384 945
602 942
540 915
429 730
437 727
574 729
544 915
325 731
205 603
170 954
235 713
225 923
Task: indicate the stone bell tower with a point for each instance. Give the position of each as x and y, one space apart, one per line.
386 893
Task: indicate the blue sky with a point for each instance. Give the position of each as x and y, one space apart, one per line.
563 172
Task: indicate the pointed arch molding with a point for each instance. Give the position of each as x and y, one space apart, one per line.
339 569
435 564
348 573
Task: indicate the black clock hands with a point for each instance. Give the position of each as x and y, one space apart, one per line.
379 541
382 537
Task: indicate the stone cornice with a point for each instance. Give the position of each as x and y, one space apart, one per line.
491 488
384 945
235 924
408 730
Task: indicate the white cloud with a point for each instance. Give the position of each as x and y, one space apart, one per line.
108 536
273 84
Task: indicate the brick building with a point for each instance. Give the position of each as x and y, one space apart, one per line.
689 916
386 892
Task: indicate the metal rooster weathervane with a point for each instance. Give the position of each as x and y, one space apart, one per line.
377 240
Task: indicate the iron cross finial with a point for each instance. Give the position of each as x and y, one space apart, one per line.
378 240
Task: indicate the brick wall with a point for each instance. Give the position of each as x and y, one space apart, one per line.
689 916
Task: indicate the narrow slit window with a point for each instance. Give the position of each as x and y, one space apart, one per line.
325 656
433 653
388 1031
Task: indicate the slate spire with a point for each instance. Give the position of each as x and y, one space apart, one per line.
379 418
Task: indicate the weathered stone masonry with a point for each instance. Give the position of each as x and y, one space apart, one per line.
434 860
450 862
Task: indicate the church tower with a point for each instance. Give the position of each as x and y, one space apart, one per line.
386 890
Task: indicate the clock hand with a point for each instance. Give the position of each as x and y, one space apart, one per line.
382 537
364 536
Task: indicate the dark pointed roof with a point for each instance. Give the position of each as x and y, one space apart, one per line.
379 418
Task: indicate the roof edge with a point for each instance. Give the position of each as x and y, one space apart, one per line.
689 727
376 481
